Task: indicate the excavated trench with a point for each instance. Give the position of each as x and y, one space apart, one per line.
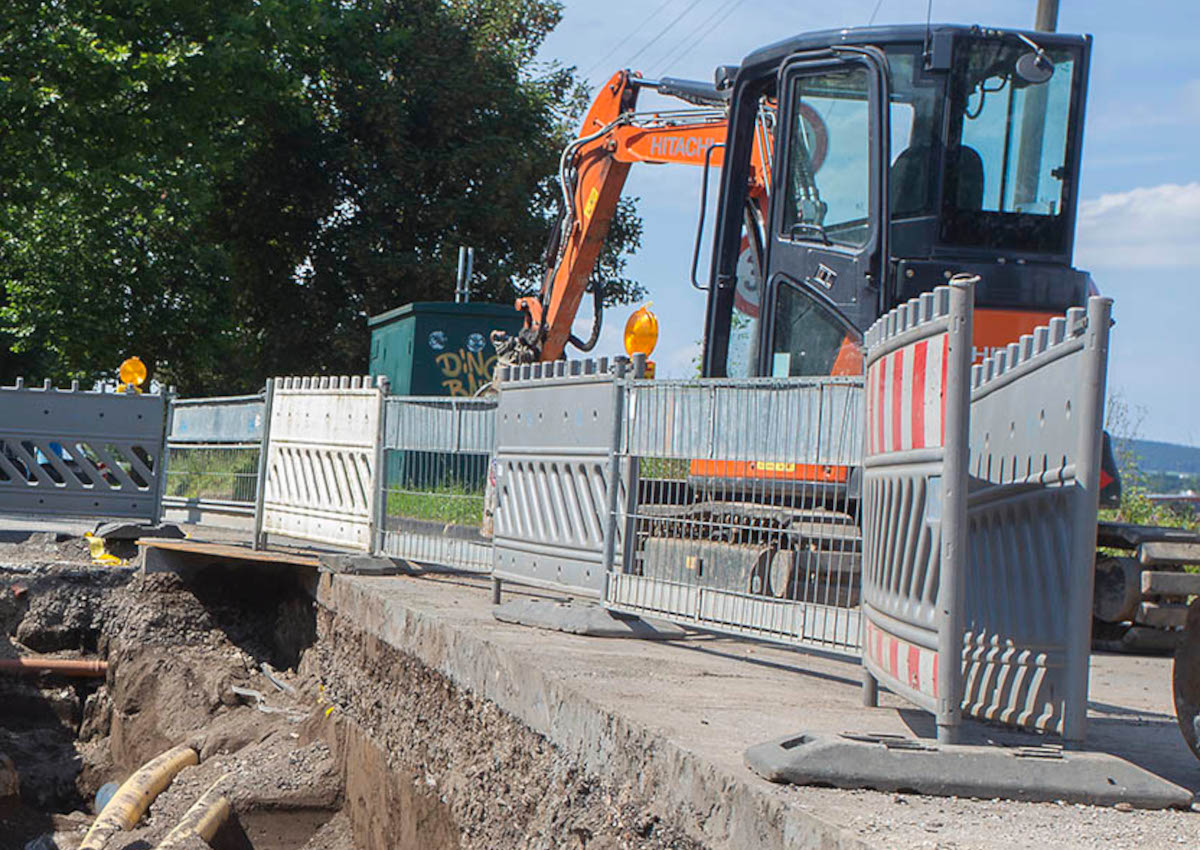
326 737
176 650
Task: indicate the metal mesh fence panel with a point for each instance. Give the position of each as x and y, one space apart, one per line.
437 462
221 475
740 507
213 450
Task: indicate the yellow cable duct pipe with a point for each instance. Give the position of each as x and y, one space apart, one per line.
136 794
203 819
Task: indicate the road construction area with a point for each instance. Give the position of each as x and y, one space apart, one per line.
341 711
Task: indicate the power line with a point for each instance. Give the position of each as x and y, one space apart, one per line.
721 7
871 20
675 57
628 36
663 31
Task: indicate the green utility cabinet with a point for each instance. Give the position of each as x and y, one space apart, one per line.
438 348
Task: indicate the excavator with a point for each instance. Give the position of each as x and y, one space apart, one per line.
592 173
860 168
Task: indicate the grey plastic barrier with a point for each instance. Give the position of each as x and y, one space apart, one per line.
556 434
1035 438
914 501
72 453
437 460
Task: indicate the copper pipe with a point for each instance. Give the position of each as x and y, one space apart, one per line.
62 666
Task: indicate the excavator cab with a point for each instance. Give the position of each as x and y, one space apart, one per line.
902 156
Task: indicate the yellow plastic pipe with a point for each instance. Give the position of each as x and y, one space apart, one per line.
136 794
202 820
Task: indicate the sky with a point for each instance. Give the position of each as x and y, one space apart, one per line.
1138 231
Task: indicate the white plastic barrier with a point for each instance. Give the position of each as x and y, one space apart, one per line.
323 447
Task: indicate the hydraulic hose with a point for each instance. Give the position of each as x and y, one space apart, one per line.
203 819
597 319
136 794
63 666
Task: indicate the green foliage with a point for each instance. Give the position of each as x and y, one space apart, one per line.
1123 423
228 188
664 468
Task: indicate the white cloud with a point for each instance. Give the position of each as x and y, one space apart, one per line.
1152 227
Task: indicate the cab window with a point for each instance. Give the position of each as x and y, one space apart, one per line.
828 159
809 340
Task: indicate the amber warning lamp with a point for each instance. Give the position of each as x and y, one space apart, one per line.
132 374
641 335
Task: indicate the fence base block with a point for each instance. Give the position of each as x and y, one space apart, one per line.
365 565
896 763
582 618
121 530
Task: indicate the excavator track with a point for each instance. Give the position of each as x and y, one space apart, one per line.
1145 578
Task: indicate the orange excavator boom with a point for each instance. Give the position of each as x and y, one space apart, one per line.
592 172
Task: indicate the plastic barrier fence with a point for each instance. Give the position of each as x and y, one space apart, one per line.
437 460
323 446
555 471
68 453
739 510
914 500
1035 437
213 455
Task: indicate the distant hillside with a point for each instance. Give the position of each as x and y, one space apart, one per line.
1154 456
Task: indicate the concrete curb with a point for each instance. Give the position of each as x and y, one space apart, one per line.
718 808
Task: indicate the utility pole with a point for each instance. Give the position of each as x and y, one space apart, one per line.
1033 127
1047 16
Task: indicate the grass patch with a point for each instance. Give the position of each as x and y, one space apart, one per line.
230 474
451 503
665 468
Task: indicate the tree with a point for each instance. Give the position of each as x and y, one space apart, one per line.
228 188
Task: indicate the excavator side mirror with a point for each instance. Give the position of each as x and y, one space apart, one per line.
1034 67
723 77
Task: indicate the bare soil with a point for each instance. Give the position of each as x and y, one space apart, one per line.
462 773
176 651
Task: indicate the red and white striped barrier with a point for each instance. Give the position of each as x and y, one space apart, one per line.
907 388
910 665
914 500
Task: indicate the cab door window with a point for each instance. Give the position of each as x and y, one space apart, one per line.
828 169
809 340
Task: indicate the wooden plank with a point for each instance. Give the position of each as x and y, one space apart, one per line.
1162 553
1161 583
1162 616
1122 535
232 551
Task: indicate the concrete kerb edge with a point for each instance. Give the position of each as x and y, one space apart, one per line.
676 781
